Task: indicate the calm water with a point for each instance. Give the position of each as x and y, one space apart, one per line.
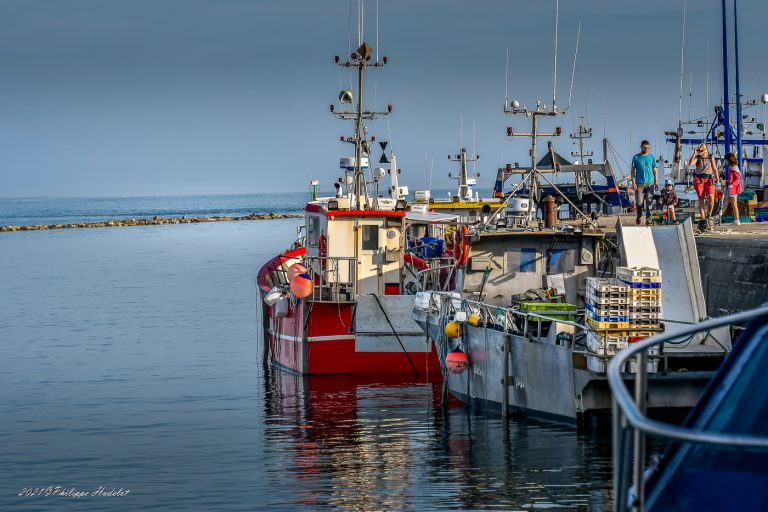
45 210
129 359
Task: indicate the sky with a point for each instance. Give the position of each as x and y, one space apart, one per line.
177 97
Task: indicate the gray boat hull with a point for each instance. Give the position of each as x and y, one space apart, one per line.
547 380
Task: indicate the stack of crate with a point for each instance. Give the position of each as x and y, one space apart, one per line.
607 311
644 305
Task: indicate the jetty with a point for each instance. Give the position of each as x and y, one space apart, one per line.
154 221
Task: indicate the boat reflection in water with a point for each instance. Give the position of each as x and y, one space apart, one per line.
369 443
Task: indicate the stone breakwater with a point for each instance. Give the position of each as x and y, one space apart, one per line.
154 221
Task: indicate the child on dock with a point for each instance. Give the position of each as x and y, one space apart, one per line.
733 187
667 203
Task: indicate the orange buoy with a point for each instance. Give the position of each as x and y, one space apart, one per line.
301 286
296 269
456 361
453 329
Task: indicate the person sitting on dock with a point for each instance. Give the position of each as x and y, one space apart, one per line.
704 178
667 203
645 178
733 187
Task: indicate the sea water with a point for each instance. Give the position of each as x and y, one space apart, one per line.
131 362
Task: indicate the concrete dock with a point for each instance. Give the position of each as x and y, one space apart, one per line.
733 262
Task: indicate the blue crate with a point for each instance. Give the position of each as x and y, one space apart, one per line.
609 318
641 285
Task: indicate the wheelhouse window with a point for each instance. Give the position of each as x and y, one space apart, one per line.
370 237
561 261
313 231
522 260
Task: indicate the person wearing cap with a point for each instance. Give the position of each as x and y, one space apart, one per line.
645 179
704 178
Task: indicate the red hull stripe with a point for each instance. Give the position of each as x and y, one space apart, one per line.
314 208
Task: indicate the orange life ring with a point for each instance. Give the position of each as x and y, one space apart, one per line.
322 245
461 246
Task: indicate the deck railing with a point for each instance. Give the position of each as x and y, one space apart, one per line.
631 425
508 320
334 278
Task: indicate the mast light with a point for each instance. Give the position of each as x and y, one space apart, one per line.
558 131
509 131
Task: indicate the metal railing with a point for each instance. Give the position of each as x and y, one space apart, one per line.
630 425
502 317
334 278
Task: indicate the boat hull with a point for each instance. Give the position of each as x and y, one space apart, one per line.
546 380
317 338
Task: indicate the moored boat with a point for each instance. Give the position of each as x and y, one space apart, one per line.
338 301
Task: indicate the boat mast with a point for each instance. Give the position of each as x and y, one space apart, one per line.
541 110
360 59
726 104
739 125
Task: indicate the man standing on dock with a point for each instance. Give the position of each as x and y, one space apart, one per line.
645 179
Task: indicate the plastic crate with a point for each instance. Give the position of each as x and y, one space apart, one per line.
607 286
550 309
595 363
636 335
635 316
607 318
607 309
645 294
646 309
602 326
621 299
642 325
639 304
612 333
638 274
606 345
643 286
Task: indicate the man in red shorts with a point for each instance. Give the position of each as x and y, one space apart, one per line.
704 178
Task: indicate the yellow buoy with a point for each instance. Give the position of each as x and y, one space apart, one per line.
474 320
453 329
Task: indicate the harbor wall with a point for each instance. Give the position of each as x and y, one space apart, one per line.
734 272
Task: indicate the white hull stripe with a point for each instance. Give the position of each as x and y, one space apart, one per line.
312 338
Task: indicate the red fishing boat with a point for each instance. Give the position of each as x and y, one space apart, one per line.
340 301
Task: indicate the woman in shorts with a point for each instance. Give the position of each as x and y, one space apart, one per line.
704 178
